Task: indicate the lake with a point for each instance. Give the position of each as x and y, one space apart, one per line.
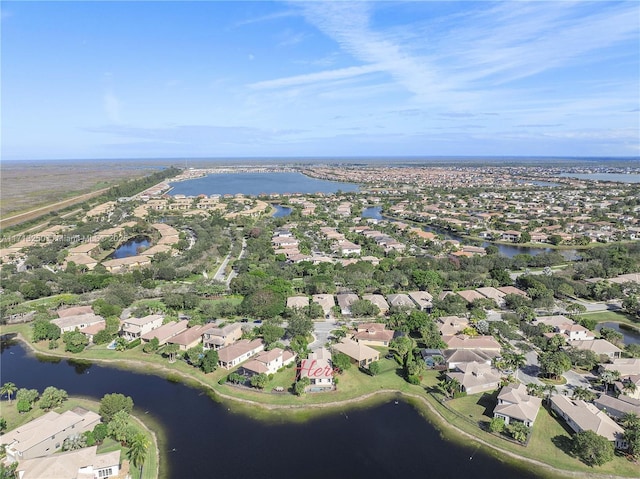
206 439
255 184
620 177
281 211
629 336
130 247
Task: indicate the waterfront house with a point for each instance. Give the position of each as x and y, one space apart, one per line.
83 463
582 416
455 357
575 332
601 347
268 362
476 377
618 407
134 328
514 404
80 321
216 337
166 331
233 354
319 369
359 353
74 311
44 436
188 338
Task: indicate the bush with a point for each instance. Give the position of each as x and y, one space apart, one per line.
100 432
413 379
134 343
23 406
53 344
497 424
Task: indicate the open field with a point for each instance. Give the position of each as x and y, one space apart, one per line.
27 185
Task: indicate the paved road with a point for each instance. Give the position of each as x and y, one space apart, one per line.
321 330
529 372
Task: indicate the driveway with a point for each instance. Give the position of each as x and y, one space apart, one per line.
529 372
321 332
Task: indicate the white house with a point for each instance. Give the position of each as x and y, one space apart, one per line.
134 328
515 404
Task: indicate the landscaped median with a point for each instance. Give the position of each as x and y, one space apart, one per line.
458 421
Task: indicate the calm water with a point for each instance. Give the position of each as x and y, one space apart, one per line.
383 442
629 336
255 184
374 212
621 177
281 211
130 248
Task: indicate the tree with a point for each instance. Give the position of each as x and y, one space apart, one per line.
102 337
210 361
608 377
3 424
100 432
583 393
299 325
152 346
137 451
52 397
30 396
631 423
449 386
341 361
9 389
496 425
121 344
591 448
44 330
194 355
110 404
518 430
171 350
611 335
271 333
515 361
403 345
118 426
264 303
72 443
363 307
374 368
8 472
236 378
74 341
300 387
554 363
259 381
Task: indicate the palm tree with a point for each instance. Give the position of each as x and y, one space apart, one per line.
9 389
516 361
608 377
583 394
549 389
171 350
449 386
138 450
629 387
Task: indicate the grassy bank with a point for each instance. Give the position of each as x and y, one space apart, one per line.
459 420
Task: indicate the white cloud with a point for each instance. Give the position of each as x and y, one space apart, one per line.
112 106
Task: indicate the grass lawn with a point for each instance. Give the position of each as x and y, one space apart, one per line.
611 316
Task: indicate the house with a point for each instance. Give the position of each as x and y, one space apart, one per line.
625 366
476 377
454 357
618 407
582 416
188 338
134 328
44 436
326 302
601 347
74 311
93 329
359 353
319 369
79 321
297 302
451 325
345 300
268 362
512 236
378 300
626 388
514 404
470 295
462 341
347 248
400 301
81 463
166 331
512 290
432 357
423 300
216 338
493 293
233 354
575 332
373 334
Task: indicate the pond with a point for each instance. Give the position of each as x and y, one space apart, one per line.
131 247
630 336
205 438
256 184
281 211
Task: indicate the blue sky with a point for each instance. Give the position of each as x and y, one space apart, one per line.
335 79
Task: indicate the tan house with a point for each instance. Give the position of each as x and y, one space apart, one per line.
400 300
326 302
359 353
166 331
476 377
78 464
378 300
216 338
514 404
618 407
80 321
470 295
134 328
625 366
601 347
319 369
298 302
232 355
188 338
423 299
485 343
268 362
74 311
44 436
582 416
451 325
345 301
455 357
373 334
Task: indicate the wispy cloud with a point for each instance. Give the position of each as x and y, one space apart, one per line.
112 106
323 76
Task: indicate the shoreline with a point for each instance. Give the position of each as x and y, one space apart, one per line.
432 414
